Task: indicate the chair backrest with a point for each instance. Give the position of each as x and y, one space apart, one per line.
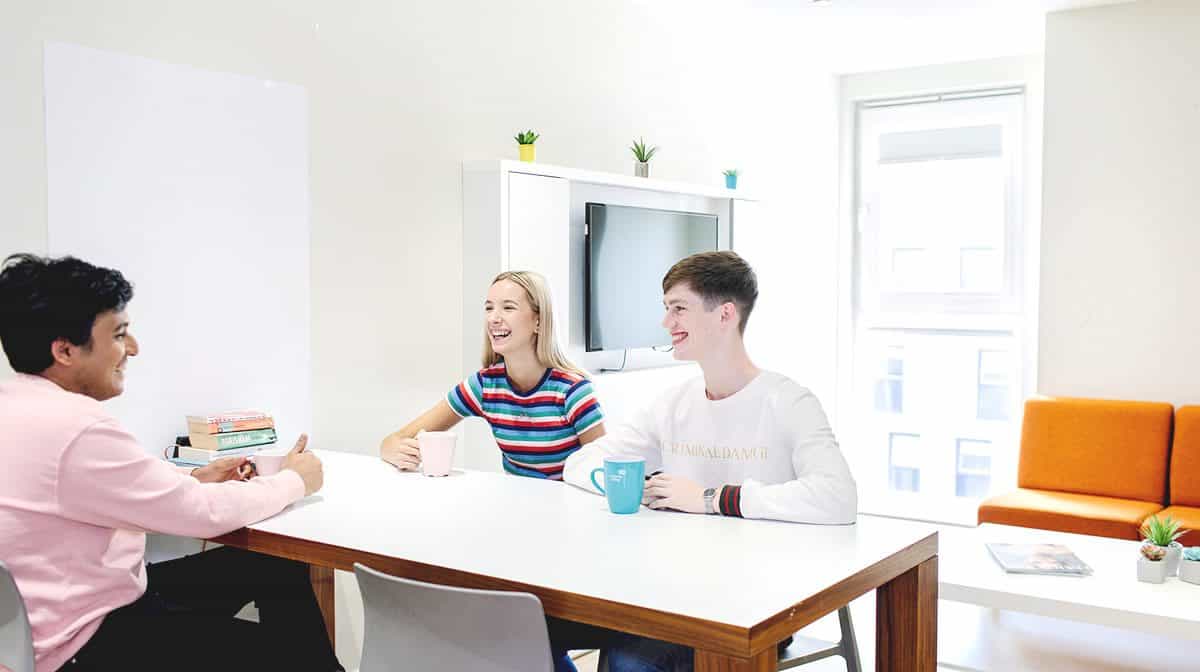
16 641
1185 458
1096 447
411 625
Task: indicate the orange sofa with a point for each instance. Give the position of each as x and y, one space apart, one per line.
1185 474
1094 466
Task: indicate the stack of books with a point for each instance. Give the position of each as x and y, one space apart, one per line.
230 434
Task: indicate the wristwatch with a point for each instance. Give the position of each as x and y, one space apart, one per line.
709 494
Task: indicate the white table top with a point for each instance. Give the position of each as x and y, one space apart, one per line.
555 536
1112 595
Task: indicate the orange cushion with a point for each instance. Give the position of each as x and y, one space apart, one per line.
1068 512
1096 447
1185 458
1189 518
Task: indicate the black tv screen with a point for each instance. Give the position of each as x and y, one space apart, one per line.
629 250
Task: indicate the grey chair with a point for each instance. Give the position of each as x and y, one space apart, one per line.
803 650
411 625
16 641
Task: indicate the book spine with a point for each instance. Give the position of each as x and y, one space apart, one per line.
201 456
227 417
223 427
255 437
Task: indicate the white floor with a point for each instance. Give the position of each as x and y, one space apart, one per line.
974 639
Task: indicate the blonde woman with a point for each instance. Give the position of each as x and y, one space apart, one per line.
539 405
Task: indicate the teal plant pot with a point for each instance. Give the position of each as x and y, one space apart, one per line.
731 181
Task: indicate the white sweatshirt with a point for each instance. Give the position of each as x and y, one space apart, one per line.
771 438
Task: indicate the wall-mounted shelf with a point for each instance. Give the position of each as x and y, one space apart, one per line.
606 179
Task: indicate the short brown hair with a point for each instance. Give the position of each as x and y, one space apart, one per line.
718 277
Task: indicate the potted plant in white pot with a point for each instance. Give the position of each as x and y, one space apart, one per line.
1163 532
643 154
1189 565
1152 567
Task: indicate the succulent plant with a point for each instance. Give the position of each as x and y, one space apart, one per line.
1153 552
526 137
732 172
1192 553
1161 531
641 152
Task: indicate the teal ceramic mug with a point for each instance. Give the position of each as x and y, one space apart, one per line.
624 479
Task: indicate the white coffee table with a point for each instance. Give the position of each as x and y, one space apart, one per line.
1111 596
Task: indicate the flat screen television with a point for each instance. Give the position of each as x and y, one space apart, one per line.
629 249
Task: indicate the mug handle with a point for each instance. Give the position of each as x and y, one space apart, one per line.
598 486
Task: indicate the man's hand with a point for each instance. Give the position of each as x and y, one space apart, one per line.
405 454
306 464
665 491
224 469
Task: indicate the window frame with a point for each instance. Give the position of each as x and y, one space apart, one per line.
1005 109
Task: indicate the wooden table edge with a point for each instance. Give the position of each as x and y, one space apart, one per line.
778 627
719 638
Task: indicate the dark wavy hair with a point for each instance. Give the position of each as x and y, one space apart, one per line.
44 299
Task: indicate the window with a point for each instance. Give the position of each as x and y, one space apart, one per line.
992 386
889 389
939 295
973 468
904 462
980 269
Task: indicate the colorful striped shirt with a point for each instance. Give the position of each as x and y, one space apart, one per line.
535 430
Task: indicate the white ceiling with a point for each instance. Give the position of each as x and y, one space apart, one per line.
864 35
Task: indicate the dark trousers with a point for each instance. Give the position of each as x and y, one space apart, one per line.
570 636
185 620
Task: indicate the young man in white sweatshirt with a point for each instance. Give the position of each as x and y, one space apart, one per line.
738 441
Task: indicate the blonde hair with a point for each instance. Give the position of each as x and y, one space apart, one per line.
545 344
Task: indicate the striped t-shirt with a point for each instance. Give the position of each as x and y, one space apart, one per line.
537 430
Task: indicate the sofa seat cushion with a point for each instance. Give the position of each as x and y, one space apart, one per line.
1189 518
1068 512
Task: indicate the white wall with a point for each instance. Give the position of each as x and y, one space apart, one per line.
400 94
1121 227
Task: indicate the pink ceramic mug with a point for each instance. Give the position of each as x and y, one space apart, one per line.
437 452
269 462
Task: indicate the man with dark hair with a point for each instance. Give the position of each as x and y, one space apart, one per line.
737 441
77 493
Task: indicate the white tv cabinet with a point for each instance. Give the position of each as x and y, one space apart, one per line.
531 216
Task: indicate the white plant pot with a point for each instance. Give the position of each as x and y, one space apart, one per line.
1174 552
1189 570
1151 571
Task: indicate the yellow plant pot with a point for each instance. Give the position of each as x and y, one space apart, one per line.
526 153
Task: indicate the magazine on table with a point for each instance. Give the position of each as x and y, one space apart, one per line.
1038 559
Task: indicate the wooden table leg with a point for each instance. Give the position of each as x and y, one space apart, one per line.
707 661
322 584
906 621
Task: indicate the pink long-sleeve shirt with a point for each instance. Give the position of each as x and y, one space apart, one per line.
77 495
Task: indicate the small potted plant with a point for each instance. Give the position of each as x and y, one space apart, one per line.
1163 532
1152 568
730 178
1189 565
525 140
643 155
